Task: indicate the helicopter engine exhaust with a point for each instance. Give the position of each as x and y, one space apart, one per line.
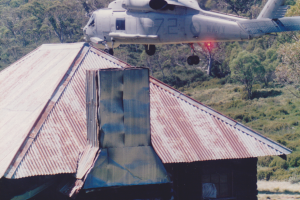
147 5
158 4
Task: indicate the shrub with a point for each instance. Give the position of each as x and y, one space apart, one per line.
294 159
246 117
264 174
292 136
293 145
275 126
282 111
280 174
279 163
237 89
264 161
294 179
294 123
265 94
280 141
222 81
234 104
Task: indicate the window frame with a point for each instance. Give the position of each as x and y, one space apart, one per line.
120 24
218 183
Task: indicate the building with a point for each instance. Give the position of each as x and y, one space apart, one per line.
48 146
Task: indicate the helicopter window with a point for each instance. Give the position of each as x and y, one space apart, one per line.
92 23
120 24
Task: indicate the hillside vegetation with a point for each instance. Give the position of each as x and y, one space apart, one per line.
255 82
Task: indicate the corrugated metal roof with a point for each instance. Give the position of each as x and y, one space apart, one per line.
26 87
182 129
62 136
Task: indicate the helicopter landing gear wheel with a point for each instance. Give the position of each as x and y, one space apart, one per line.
193 60
190 60
150 50
109 51
196 60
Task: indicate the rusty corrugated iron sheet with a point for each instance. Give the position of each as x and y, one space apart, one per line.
182 129
92 147
59 137
26 87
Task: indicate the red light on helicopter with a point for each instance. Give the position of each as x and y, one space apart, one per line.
209 45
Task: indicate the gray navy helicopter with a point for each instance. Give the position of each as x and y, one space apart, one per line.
151 22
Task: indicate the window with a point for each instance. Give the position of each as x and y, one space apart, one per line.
222 181
120 24
92 23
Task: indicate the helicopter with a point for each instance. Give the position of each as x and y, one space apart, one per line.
152 22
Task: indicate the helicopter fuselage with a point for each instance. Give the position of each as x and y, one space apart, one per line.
181 25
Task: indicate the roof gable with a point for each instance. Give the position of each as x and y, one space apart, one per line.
182 129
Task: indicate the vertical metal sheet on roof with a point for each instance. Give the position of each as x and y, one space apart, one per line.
26 87
126 156
89 154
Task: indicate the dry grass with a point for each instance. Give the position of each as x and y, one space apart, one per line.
216 95
277 197
276 186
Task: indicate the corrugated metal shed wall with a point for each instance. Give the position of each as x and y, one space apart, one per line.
182 130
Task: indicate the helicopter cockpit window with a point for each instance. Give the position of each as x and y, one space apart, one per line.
120 24
91 21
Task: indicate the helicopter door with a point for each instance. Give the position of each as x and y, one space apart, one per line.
103 22
130 25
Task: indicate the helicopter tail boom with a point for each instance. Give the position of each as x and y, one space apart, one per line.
266 26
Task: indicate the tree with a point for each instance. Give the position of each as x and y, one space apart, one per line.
241 6
270 64
294 10
246 68
65 19
288 71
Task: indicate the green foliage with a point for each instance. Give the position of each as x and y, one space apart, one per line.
264 161
24 25
294 159
279 163
295 8
288 71
246 68
264 174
